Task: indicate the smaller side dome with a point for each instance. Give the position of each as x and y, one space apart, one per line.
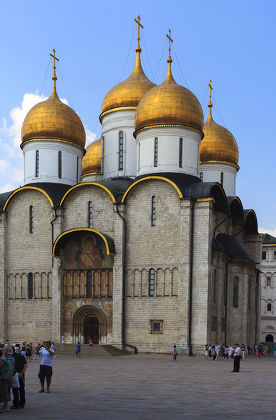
218 144
52 120
92 160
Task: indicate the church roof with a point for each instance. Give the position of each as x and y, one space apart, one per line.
231 246
269 239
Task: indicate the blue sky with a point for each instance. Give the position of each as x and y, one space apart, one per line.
233 43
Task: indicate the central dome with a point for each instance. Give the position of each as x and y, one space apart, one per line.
169 104
128 93
53 120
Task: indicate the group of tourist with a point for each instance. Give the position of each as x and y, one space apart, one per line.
13 364
222 352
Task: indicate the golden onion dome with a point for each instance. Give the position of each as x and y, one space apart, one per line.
92 160
169 104
218 144
127 94
52 120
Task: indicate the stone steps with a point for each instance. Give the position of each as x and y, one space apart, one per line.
90 351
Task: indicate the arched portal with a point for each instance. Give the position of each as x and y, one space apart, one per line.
89 321
269 338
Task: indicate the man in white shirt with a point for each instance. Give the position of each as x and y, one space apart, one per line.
237 358
46 371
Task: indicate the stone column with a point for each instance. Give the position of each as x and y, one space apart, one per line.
3 281
117 304
57 286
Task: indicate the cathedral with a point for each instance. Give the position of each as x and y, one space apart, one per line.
137 241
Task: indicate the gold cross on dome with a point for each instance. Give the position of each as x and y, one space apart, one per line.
210 86
139 25
55 58
170 40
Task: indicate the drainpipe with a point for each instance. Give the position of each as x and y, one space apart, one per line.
226 300
52 223
191 277
124 285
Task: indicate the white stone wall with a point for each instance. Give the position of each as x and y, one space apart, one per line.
268 293
212 173
28 253
168 150
112 124
48 162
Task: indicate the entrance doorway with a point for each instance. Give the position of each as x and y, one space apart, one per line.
91 330
269 338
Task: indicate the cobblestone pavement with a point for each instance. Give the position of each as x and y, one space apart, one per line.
151 387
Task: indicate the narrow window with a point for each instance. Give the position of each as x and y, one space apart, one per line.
121 151
102 155
139 156
89 284
153 210
90 214
221 178
236 292
59 164
180 152
77 174
31 219
151 282
215 287
201 176
249 293
264 255
30 286
37 163
155 152
268 281
269 307
274 255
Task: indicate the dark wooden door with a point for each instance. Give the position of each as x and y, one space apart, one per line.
91 330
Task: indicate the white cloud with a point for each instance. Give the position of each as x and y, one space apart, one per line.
6 187
4 164
269 231
17 174
90 136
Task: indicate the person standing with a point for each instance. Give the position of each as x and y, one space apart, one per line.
62 341
237 358
6 374
174 354
46 370
78 349
242 351
20 367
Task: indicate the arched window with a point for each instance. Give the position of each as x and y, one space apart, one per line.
31 219
268 280
30 286
89 284
153 210
37 163
180 152
121 151
236 292
59 164
155 153
151 282
90 214
268 308
221 178
77 174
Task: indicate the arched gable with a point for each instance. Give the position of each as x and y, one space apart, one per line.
85 184
27 187
146 178
251 222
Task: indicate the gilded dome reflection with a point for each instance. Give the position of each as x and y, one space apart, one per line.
91 162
